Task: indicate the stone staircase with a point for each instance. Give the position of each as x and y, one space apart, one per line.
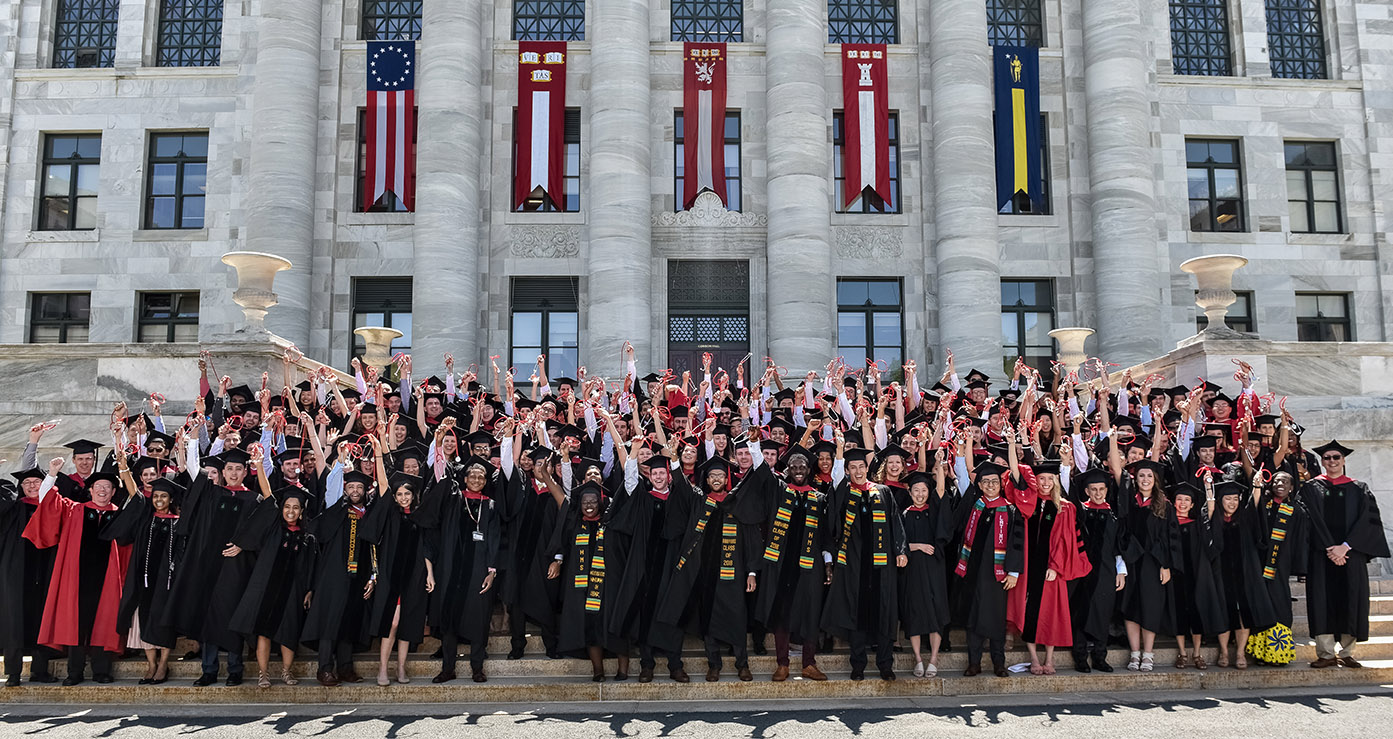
537 679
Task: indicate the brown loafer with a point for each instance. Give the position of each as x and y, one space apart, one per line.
780 673
972 670
1325 662
745 675
812 673
679 676
328 679
645 675
1349 662
712 675
350 675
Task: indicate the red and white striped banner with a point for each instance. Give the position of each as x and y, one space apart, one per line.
391 123
703 120
541 135
865 121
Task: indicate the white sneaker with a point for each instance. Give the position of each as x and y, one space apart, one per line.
919 669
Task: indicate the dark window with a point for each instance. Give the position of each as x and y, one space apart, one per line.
712 21
1313 187
59 318
178 180
1027 318
190 33
1323 317
862 22
382 301
167 317
1200 37
869 201
732 160
549 20
391 20
1296 39
571 183
869 324
1015 208
389 202
68 200
1215 182
1015 23
84 33
1240 317
545 320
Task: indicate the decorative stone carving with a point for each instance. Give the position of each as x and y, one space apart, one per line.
868 242
708 210
545 242
377 342
1214 276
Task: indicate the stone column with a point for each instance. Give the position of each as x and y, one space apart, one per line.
445 283
964 171
284 139
1118 89
801 303
620 267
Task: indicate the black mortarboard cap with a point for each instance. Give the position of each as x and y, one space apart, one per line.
1333 446
83 446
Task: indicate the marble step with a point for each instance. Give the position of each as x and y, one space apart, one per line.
421 667
582 689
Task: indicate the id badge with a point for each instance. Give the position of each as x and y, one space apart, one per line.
478 536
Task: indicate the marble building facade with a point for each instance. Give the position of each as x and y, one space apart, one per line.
280 110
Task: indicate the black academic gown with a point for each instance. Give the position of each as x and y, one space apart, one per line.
864 594
338 610
401 573
1337 597
923 585
1198 584
1093 597
155 555
978 599
531 522
462 540
207 586
694 597
588 563
1242 544
1152 544
25 572
639 526
273 604
1286 551
790 590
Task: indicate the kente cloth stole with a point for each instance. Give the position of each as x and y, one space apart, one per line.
353 519
999 521
1279 536
590 570
783 519
853 505
728 533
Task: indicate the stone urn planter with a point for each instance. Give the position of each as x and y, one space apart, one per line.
1214 277
378 343
1071 342
256 273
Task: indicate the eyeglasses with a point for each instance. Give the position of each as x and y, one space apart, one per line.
1333 457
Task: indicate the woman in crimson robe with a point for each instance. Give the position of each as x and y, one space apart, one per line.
84 595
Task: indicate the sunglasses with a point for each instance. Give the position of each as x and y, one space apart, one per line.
1333 457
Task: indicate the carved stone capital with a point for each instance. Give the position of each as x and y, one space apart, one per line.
709 211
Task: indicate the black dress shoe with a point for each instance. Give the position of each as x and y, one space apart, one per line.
760 649
597 676
887 674
515 653
438 653
858 673
206 679
712 675
445 676
620 677
159 680
745 675
999 670
973 670
143 681
72 680
679 676
480 677
349 675
43 678
12 681
192 654
233 679
645 675
553 654
1101 664
1082 666
104 679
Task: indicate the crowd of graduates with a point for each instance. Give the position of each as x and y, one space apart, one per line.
618 517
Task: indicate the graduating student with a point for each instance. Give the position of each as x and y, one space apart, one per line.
718 555
1240 536
148 525
210 581
401 597
1287 525
1093 597
278 591
84 594
584 563
923 586
25 572
989 562
869 543
535 497
1348 533
1153 551
1197 582
463 524
75 485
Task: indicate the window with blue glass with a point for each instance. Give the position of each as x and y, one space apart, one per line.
190 33
1200 37
1015 23
1296 39
862 22
391 20
712 21
549 20
84 34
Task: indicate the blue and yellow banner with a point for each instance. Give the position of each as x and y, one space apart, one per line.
1017 80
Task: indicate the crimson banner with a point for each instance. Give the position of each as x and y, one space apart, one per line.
703 120
541 134
865 121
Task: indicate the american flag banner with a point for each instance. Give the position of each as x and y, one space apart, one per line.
865 121
391 116
541 132
703 120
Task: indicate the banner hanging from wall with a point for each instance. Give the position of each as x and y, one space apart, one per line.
1017 88
703 121
390 123
541 123
865 121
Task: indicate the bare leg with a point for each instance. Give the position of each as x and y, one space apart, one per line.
403 649
914 643
1240 659
1148 638
1049 660
1134 636
1223 659
935 639
384 650
1035 668
263 661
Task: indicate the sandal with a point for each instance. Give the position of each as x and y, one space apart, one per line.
1241 663
288 677
931 670
1222 660
919 669
1148 662
264 681
1182 661
1200 664
1134 661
